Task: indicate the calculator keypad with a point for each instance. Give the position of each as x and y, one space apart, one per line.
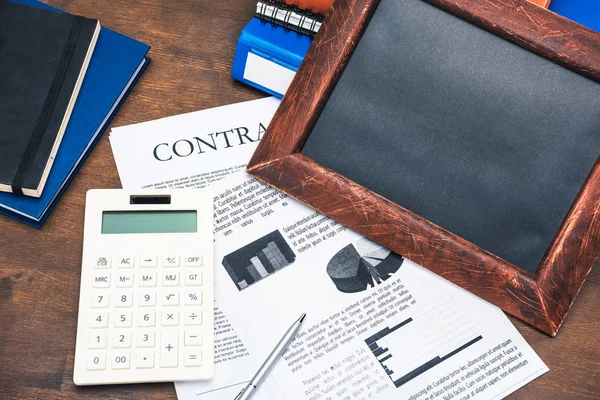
146 304
137 320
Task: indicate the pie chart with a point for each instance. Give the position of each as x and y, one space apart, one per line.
361 265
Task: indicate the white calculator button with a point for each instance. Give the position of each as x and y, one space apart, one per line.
123 319
193 338
100 298
192 358
193 297
99 320
120 360
102 261
169 348
145 359
101 281
146 318
147 298
170 261
97 340
193 317
148 279
125 261
96 360
193 277
148 261
125 279
145 339
170 278
122 339
123 298
193 260
170 298
170 318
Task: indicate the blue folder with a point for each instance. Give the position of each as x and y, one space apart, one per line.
584 12
272 44
116 64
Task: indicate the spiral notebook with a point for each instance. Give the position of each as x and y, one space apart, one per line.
268 56
273 44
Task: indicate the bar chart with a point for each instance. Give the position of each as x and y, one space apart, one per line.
438 331
258 259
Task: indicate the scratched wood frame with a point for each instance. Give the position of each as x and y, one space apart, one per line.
541 299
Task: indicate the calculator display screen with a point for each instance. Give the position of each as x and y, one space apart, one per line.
115 222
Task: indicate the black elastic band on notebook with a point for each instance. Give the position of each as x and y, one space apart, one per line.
48 108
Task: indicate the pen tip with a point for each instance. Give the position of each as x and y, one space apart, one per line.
302 317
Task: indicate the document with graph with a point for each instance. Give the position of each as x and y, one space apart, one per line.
378 326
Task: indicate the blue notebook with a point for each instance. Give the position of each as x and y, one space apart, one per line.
584 12
268 56
117 63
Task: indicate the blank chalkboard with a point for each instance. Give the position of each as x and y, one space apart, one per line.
485 139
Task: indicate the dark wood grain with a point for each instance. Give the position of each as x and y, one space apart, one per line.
193 42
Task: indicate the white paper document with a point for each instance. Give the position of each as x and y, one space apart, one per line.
195 150
378 326
190 150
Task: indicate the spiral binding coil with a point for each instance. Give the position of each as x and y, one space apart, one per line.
268 11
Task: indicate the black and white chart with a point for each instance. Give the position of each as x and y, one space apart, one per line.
438 331
361 265
258 259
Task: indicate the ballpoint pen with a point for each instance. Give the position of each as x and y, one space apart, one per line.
249 389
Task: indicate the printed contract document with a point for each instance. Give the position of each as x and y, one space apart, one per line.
378 326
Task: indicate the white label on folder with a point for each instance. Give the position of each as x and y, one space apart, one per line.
268 74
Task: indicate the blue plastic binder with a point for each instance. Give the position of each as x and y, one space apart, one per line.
268 56
584 12
116 64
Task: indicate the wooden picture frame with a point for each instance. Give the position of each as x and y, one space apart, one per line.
541 299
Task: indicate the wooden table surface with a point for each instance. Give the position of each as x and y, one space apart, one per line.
193 42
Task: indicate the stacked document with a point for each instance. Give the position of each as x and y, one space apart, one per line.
378 326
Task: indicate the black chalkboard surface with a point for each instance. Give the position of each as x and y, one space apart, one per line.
482 137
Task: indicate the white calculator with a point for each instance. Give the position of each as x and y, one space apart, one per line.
146 299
